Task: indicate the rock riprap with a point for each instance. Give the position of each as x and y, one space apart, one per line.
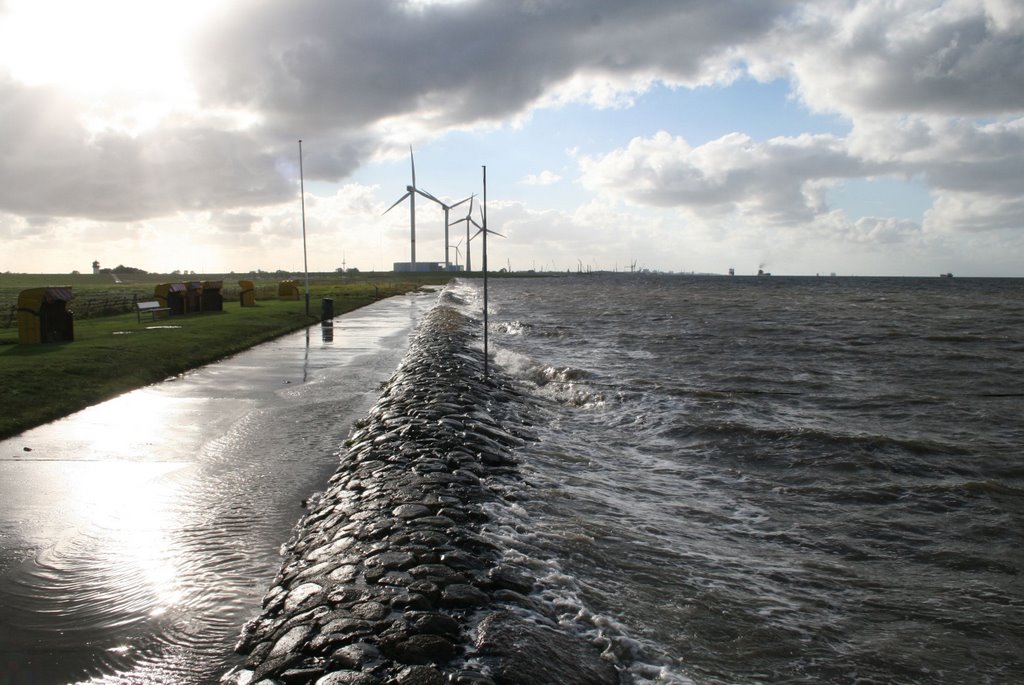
388 579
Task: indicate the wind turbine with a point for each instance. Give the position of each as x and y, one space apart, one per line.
410 192
458 253
446 208
469 220
481 229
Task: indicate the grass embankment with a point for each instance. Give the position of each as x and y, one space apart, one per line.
111 355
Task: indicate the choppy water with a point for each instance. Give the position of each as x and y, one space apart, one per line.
777 480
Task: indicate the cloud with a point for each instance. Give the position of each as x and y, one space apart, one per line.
973 171
930 89
348 65
51 164
544 178
959 57
778 181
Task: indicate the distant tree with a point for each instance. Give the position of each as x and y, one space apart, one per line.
122 269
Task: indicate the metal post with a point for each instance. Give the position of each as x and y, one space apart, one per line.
485 275
302 194
446 261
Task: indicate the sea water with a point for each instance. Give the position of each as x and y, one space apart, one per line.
798 480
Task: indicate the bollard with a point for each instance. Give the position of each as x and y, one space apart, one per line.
327 311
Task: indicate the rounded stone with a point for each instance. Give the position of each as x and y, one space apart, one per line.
346 626
420 675
436 572
428 589
371 611
462 596
410 511
432 622
424 649
344 573
413 601
347 678
508 578
392 560
290 641
354 656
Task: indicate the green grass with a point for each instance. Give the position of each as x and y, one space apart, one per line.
113 354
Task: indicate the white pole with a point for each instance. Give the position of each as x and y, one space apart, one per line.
302 194
412 227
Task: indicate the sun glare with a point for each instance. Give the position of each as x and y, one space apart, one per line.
101 47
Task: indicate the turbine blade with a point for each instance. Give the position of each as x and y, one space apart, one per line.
495 233
397 202
460 202
428 195
412 161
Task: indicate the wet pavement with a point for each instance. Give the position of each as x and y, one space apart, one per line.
136 536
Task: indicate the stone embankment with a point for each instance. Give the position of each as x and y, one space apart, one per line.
390 578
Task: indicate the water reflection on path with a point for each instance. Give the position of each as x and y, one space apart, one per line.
138 535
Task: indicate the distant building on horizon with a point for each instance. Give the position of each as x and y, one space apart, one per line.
423 267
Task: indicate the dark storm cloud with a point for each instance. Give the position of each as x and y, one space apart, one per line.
351 63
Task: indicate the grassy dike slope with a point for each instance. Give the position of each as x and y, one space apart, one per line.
111 355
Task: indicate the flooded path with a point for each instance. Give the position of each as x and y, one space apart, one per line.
136 536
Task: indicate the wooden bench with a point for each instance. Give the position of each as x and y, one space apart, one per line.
151 307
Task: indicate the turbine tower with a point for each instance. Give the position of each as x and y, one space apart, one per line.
410 192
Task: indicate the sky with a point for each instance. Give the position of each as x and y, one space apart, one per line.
857 137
